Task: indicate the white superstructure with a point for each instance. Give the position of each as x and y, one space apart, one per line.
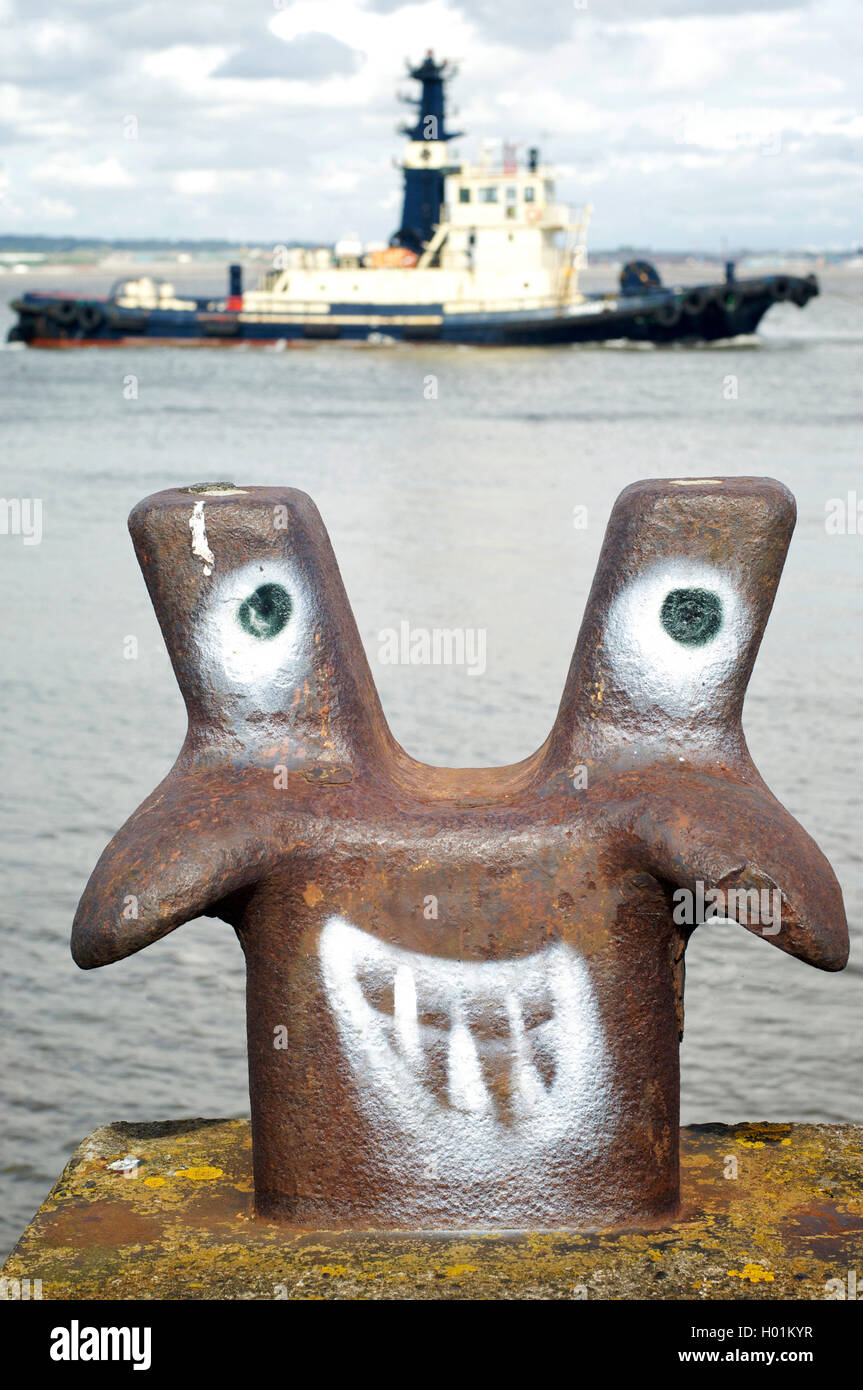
502 241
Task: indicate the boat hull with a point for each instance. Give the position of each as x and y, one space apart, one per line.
701 313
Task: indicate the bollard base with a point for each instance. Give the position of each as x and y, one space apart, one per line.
180 1225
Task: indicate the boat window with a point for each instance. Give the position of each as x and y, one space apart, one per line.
464 195
530 193
488 194
511 194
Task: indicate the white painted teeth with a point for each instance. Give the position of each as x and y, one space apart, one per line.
477 1072
478 1037
405 1010
466 1086
466 1040
528 1082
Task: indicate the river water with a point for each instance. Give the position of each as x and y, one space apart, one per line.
448 480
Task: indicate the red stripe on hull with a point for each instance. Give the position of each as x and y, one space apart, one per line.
195 342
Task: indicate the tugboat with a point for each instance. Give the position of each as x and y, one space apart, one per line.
484 254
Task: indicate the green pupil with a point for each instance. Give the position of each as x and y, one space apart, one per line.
265 612
691 616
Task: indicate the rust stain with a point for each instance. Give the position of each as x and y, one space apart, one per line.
103 1223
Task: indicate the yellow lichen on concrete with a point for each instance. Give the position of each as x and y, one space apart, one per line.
759 1136
780 1221
756 1274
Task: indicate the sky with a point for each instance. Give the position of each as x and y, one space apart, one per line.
688 124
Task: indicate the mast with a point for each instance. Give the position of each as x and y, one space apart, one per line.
426 160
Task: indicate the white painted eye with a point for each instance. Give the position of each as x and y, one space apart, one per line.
251 635
675 635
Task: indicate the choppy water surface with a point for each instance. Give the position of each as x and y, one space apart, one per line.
448 512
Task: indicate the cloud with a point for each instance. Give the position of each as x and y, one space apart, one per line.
54 53
56 209
556 21
310 57
196 182
683 120
151 24
70 171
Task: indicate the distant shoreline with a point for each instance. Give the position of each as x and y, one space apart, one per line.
20 254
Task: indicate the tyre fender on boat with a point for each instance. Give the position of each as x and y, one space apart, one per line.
90 319
696 301
781 287
64 312
668 314
804 290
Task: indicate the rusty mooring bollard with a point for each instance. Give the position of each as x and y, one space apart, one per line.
465 986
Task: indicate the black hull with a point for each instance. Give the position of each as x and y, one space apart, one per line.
712 324
703 313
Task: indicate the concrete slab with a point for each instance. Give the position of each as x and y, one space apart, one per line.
770 1211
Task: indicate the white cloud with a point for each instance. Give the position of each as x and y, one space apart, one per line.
195 182
185 65
71 171
674 114
56 209
337 181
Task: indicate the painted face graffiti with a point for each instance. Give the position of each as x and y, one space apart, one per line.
510 1060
